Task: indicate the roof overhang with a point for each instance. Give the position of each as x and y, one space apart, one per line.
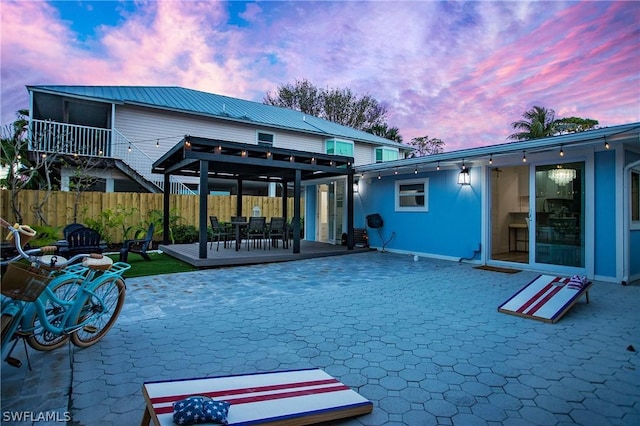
597 137
233 160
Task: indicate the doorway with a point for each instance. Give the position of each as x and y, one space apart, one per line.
330 211
510 236
543 224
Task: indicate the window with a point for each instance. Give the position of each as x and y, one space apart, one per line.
412 195
386 154
266 139
339 147
635 196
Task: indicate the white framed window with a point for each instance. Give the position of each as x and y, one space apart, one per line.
384 153
634 199
265 138
412 195
339 147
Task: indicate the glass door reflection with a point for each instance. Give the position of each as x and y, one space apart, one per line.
559 214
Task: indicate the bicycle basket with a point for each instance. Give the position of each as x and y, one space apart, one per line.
21 282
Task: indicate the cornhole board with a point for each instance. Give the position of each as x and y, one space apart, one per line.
295 397
546 298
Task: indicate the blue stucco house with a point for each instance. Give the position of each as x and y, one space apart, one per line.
567 204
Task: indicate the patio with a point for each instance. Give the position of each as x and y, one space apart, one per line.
189 253
422 340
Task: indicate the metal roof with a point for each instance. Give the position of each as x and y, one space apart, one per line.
221 107
232 160
591 137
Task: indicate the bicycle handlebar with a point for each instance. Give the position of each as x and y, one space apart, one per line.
32 255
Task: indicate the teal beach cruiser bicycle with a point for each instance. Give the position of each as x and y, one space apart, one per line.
48 300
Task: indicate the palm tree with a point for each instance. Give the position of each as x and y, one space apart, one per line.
383 130
539 122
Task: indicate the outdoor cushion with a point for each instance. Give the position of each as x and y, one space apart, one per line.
200 409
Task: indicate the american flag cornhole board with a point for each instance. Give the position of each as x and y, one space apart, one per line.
546 298
296 397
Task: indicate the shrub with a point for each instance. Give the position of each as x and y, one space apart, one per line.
185 234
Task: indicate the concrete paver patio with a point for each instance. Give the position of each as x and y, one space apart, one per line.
422 340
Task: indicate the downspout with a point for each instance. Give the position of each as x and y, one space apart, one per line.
473 256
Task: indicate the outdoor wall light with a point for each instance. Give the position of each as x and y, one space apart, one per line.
356 188
464 178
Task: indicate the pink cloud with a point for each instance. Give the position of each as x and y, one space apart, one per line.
458 71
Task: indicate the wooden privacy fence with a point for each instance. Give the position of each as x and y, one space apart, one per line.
58 211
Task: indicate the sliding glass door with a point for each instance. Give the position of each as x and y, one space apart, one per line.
537 215
560 215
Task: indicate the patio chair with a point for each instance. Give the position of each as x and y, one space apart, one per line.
137 246
257 228
278 231
219 232
83 240
70 228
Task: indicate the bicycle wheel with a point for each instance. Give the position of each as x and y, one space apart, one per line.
100 312
41 339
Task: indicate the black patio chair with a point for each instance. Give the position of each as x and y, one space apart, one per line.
83 240
70 228
139 246
257 228
278 231
219 232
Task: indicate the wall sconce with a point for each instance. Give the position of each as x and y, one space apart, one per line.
464 178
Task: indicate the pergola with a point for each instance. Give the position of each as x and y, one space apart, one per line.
212 158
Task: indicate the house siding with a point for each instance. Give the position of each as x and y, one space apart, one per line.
144 127
604 214
451 228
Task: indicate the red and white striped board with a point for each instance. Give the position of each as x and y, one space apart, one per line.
296 397
546 298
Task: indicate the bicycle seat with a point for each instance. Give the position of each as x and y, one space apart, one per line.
101 263
51 261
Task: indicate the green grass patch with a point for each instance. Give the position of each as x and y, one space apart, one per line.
159 264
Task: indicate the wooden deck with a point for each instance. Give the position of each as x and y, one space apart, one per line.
230 257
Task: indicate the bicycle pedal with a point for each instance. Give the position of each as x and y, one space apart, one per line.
14 362
90 329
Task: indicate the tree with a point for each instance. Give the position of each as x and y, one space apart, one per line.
425 146
539 122
384 131
301 96
18 172
341 106
575 124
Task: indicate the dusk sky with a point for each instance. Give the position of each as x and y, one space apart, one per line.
461 72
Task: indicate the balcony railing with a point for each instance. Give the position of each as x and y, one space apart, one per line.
52 137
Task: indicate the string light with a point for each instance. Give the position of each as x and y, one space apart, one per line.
491 159
415 171
157 143
524 157
395 171
438 166
129 149
606 144
379 177
561 151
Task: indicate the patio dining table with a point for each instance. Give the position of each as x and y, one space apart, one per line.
238 225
